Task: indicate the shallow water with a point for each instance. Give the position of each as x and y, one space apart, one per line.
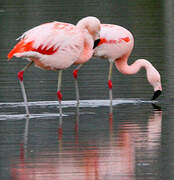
90 143
134 141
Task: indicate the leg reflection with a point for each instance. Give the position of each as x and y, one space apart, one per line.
23 147
110 117
77 123
60 134
26 133
60 130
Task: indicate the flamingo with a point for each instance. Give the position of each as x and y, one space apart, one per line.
56 46
116 44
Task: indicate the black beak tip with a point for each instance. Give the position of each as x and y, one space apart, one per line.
156 94
96 42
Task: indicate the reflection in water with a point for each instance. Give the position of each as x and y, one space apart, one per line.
47 151
120 157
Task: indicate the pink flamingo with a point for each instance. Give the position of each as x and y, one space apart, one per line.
56 46
116 44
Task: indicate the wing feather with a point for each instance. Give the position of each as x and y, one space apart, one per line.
44 39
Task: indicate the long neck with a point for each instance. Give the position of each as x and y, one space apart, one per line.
124 68
153 76
87 51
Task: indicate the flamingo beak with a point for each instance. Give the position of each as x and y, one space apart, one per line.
156 94
96 42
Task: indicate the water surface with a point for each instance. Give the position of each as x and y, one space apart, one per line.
135 141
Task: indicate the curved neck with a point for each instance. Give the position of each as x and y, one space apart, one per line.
82 24
124 68
153 76
87 51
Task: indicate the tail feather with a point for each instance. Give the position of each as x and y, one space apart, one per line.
23 47
20 47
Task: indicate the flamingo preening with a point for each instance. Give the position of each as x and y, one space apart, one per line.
56 46
116 44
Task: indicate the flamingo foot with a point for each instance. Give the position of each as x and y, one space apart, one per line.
110 84
75 73
20 75
59 95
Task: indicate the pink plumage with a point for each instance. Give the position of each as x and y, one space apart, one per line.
56 46
52 46
116 44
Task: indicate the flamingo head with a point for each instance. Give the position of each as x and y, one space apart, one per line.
92 25
154 79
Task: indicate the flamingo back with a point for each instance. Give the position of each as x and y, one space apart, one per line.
115 42
55 45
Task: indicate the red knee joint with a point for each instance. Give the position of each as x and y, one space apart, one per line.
110 84
75 73
59 95
20 75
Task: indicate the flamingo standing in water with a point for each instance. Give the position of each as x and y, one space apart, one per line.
56 46
116 44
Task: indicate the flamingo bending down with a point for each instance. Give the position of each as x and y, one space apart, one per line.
116 44
56 46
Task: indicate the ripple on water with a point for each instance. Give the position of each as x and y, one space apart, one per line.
83 103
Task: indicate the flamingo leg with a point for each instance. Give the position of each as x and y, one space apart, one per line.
20 77
59 96
110 83
75 74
